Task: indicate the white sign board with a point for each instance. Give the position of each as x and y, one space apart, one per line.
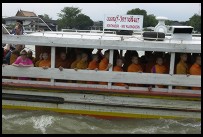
123 22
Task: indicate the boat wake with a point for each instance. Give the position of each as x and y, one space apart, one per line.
49 122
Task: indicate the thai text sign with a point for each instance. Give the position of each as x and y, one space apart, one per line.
123 22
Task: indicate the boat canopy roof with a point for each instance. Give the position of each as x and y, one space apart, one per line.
105 41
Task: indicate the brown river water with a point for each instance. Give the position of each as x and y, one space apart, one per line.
44 122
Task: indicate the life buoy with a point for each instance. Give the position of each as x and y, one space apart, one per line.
159 36
124 32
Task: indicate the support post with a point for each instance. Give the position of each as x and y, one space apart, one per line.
172 64
111 68
52 61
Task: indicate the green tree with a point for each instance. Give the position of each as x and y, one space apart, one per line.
138 11
195 21
3 21
151 20
67 17
45 16
168 22
83 22
148 21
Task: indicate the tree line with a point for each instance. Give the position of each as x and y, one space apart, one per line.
71 17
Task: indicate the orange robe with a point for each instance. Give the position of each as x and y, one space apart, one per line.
93 65
134 68
44 63
13 58
195 70
182 68
62 63
161 69
82 65
119 69
37 63
73 65
102 66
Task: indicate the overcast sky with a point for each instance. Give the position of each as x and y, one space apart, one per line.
96 11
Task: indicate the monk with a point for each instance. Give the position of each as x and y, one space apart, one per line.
118 68
29 55
78 58
104 65
45 64
182 68
93 65
40 59
134 67
196 70
62 62
159 68
82 64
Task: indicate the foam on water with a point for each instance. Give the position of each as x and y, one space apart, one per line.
49 123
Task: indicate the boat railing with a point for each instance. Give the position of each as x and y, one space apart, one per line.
170 80
88 31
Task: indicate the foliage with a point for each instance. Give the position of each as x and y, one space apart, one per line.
67 17
71 17
149 20
3 21
83 22
195 21
45 16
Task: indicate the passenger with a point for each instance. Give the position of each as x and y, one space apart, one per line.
78 58
127 58
135 67
23 61
40 59
189 60
118 67
6 49
143 63
116 55
93 65
82 64
182 68
89 54
196 70
18 30
159 68
166 62
151 61
15 54
62 62
29 54
100 55
104 65
45 64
